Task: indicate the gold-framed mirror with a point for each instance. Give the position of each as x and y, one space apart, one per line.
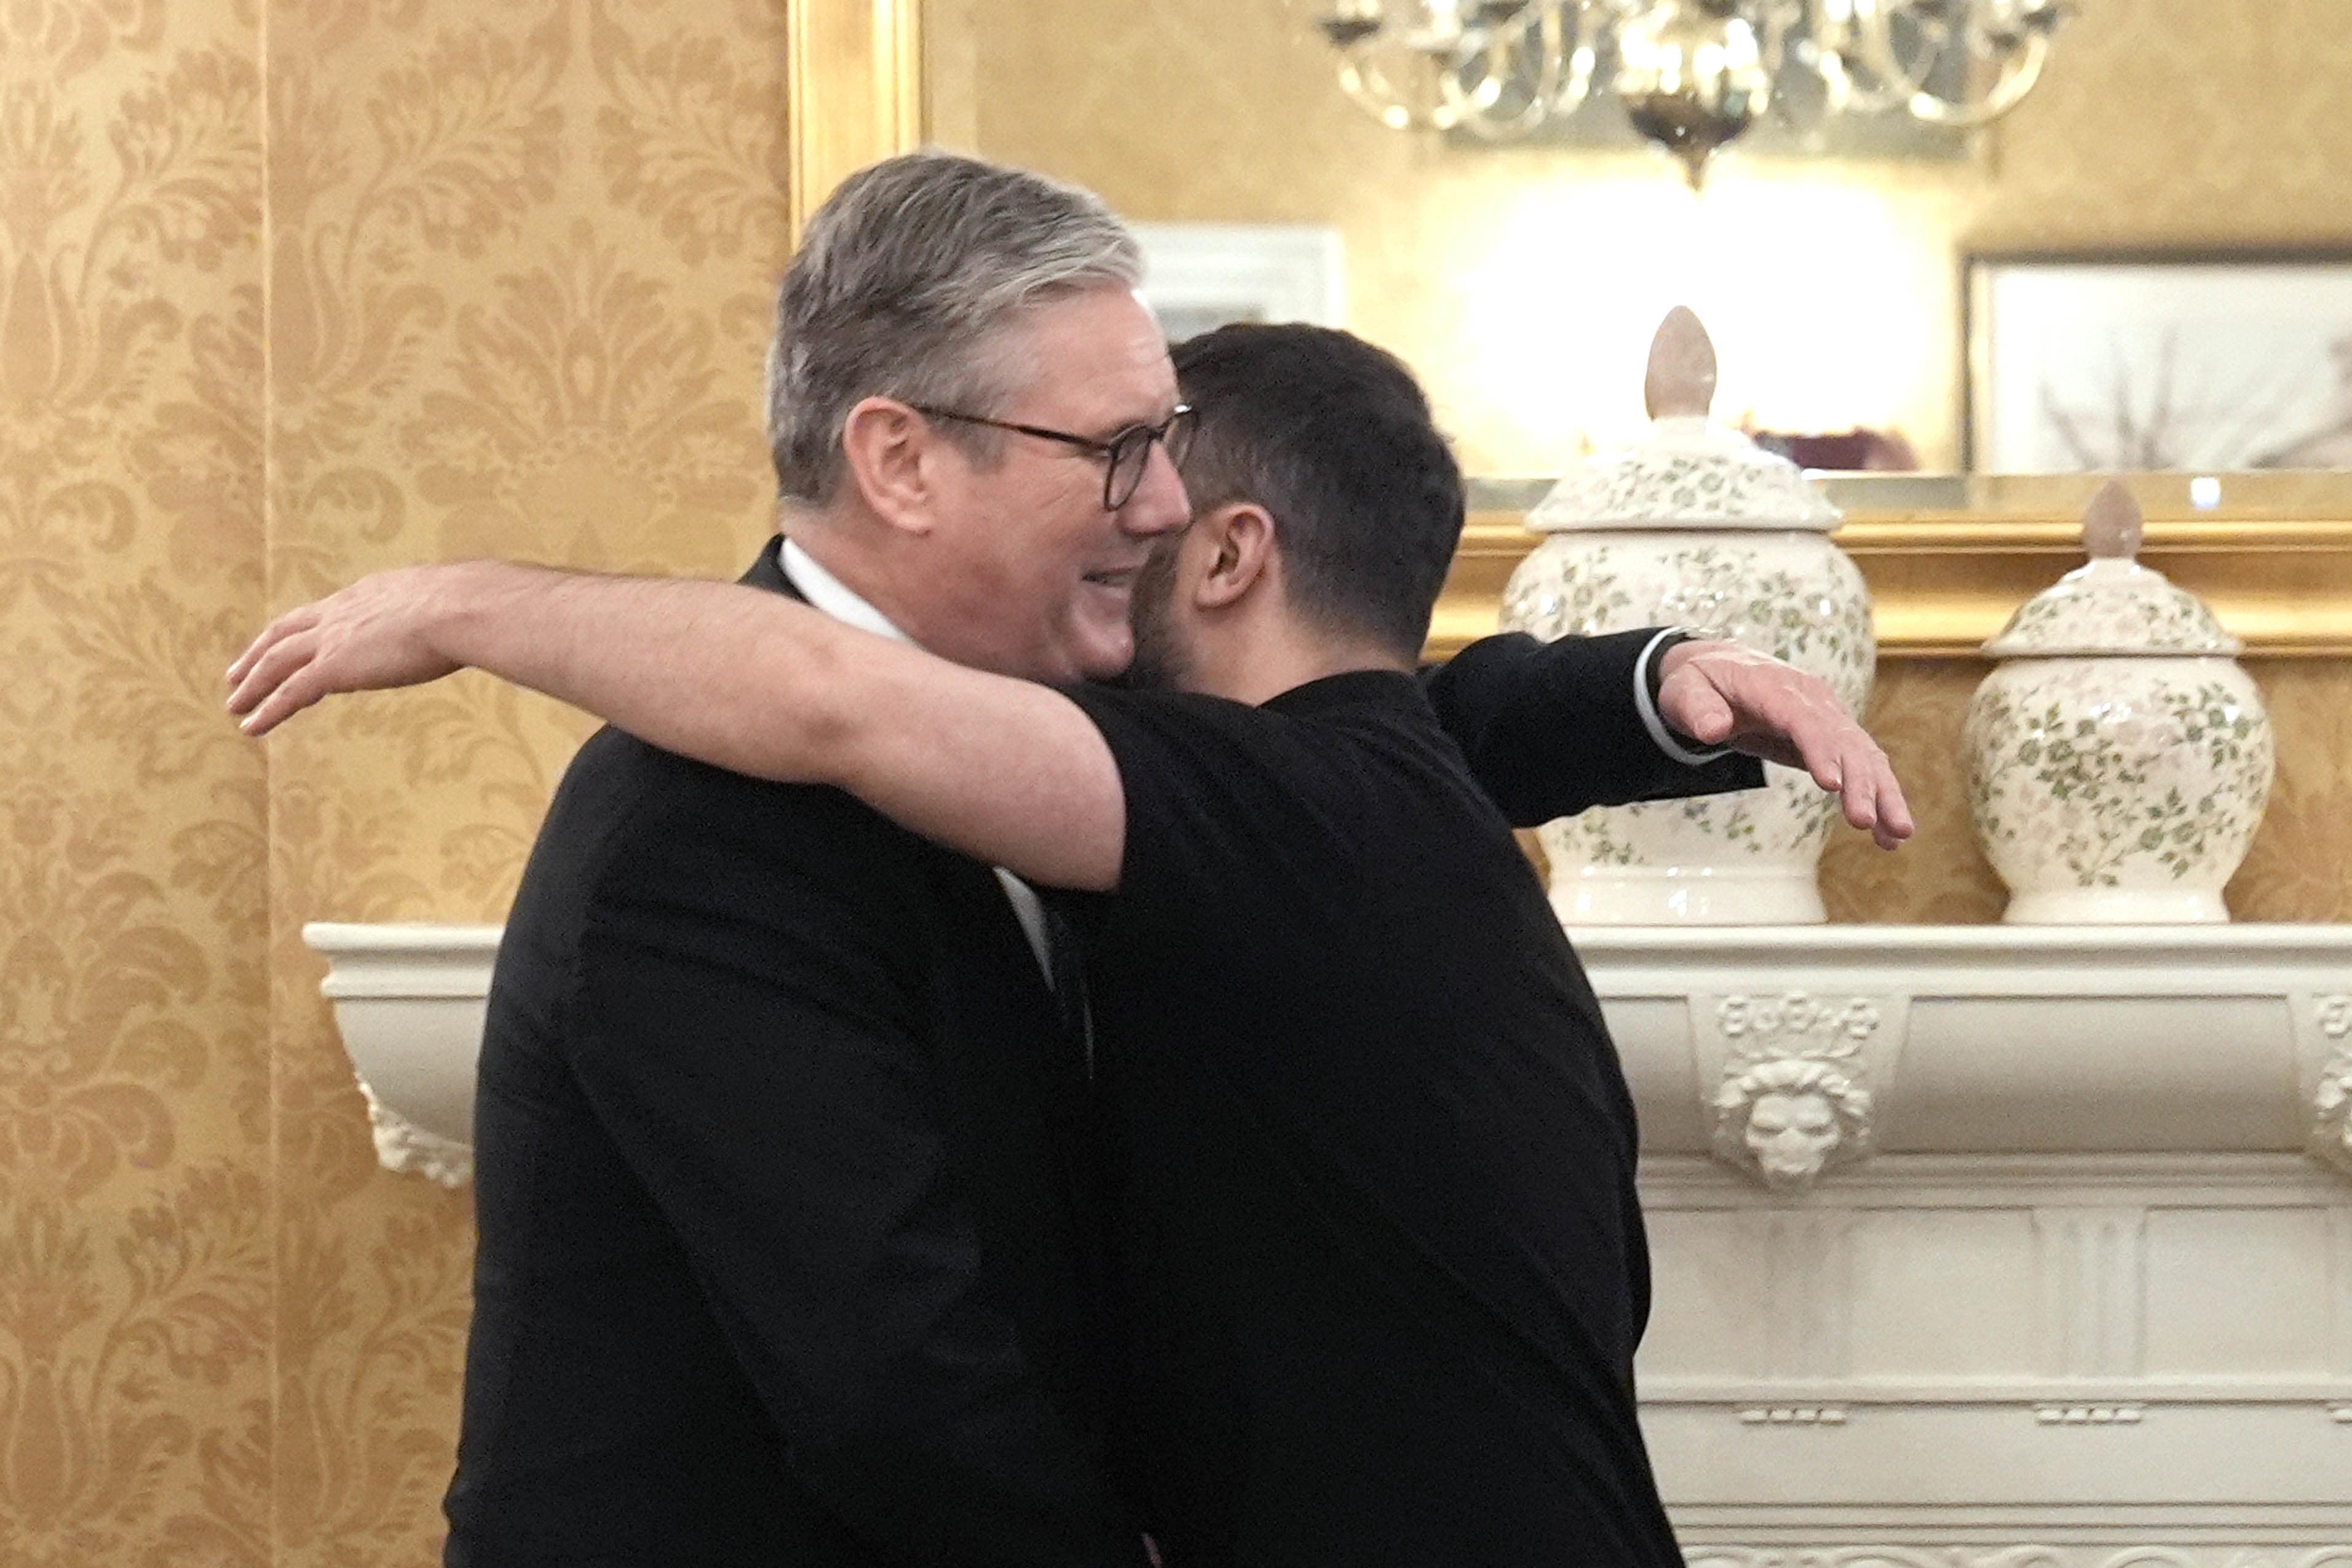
1947 556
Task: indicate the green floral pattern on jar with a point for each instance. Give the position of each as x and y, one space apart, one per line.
2113 606
1789 593
2111 773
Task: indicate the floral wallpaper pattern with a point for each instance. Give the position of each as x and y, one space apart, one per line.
134 1238
522 261
290 290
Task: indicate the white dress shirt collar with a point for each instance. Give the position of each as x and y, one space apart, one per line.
825 592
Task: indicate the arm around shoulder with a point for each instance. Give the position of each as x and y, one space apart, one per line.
742 679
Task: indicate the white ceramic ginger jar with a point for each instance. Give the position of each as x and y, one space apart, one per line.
2119 757
1695 526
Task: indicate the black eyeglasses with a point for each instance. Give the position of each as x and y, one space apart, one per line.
1125 455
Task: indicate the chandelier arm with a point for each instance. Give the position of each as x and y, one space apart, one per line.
1779 19
1870 30
2018 76
1562 76
1826 25
1368 86
1575 83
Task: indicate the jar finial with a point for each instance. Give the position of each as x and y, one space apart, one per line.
1681 379
2112 524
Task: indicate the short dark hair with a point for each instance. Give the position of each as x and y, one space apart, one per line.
1335 439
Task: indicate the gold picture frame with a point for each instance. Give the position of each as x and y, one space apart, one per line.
2275 562
854 93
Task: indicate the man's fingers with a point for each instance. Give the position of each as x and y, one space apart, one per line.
1895 823
1714 722
1843 759
1874 803
1822 741
269 673
296 620
297 691
1771 711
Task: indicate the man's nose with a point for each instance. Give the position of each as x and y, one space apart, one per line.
1159 503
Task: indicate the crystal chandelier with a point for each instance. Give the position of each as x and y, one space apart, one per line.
1692 74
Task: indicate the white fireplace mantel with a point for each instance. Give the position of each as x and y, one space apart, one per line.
1983 1247
409 1001
1945 1040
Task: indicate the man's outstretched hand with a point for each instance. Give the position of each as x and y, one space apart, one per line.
1721 694
372 635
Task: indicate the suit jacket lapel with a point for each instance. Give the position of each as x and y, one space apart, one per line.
768 571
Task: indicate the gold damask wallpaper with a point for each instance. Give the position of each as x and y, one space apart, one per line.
520 269
288 291
135 1246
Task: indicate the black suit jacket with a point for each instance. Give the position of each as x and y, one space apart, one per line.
779 1214
782 1180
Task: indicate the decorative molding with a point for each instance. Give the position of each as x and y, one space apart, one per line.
2299 1554
854 93
2331 1100
2216 1015
1991 1040
1793 1100
2315 1395
1968 1182
2093 1262
1793 1416
1941 583
2339 1255
402 1145
1804 1296
409 1003
2089 1415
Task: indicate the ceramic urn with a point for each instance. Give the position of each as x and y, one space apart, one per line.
2119 757
1695 526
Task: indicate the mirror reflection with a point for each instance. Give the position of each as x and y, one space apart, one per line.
2143 264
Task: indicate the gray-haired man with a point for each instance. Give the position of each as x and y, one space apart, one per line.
781 1220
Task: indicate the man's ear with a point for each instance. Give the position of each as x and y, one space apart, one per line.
1240 536
889 452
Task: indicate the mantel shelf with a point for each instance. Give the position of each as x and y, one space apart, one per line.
1883 1040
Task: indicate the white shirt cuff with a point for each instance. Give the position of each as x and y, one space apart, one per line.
1656 725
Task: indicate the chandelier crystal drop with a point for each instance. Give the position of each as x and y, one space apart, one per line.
1692 74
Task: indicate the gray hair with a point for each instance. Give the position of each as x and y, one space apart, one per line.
907 276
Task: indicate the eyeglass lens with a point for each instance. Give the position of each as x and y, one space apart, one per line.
1130 456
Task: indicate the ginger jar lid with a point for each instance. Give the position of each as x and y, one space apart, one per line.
1685 471
2113 606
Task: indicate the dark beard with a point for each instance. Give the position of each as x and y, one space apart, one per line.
1160 663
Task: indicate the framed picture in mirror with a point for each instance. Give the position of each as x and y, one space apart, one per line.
1201 275
2131 362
